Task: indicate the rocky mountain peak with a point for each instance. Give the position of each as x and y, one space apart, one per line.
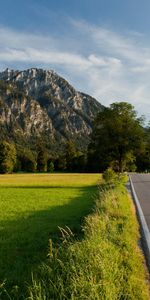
45 104
7 74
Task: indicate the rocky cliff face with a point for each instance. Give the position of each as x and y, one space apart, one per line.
38 103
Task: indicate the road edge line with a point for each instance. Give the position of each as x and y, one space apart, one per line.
144 228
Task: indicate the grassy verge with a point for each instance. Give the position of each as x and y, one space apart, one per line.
106 264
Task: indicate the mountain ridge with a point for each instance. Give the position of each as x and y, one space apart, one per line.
37 103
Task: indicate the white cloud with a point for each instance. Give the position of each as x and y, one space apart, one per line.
41 56
108 65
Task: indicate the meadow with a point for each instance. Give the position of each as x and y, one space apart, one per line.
106 264
32 206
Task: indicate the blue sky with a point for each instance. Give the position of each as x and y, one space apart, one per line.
102 47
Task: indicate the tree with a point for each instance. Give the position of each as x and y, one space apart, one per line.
143 157
60 163
7 157
42 160
27 161
50 166
70 153
79 162
117 136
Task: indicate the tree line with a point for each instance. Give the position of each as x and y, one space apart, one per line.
119 140
19 159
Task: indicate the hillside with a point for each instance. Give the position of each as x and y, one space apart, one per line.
37 104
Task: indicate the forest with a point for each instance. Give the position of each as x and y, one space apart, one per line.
119 140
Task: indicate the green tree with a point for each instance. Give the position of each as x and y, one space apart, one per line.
42 160
117 137
61 163
50 167
7 157
79 162
143 157
27 161
70 153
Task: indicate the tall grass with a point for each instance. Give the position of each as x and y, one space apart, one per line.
106 265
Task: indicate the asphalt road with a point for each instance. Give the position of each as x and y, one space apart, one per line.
141 183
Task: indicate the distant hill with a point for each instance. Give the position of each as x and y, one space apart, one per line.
39 105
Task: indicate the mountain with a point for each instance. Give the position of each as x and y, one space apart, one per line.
39 105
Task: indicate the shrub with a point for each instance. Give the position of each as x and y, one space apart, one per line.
113 178
110 176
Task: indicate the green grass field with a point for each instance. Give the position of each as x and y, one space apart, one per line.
32 206
106 264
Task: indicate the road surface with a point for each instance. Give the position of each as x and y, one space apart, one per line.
141 183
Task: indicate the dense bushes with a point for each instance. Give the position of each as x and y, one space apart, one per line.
113 178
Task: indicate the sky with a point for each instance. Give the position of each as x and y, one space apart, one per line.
102 47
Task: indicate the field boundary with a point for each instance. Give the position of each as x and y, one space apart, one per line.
143 225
